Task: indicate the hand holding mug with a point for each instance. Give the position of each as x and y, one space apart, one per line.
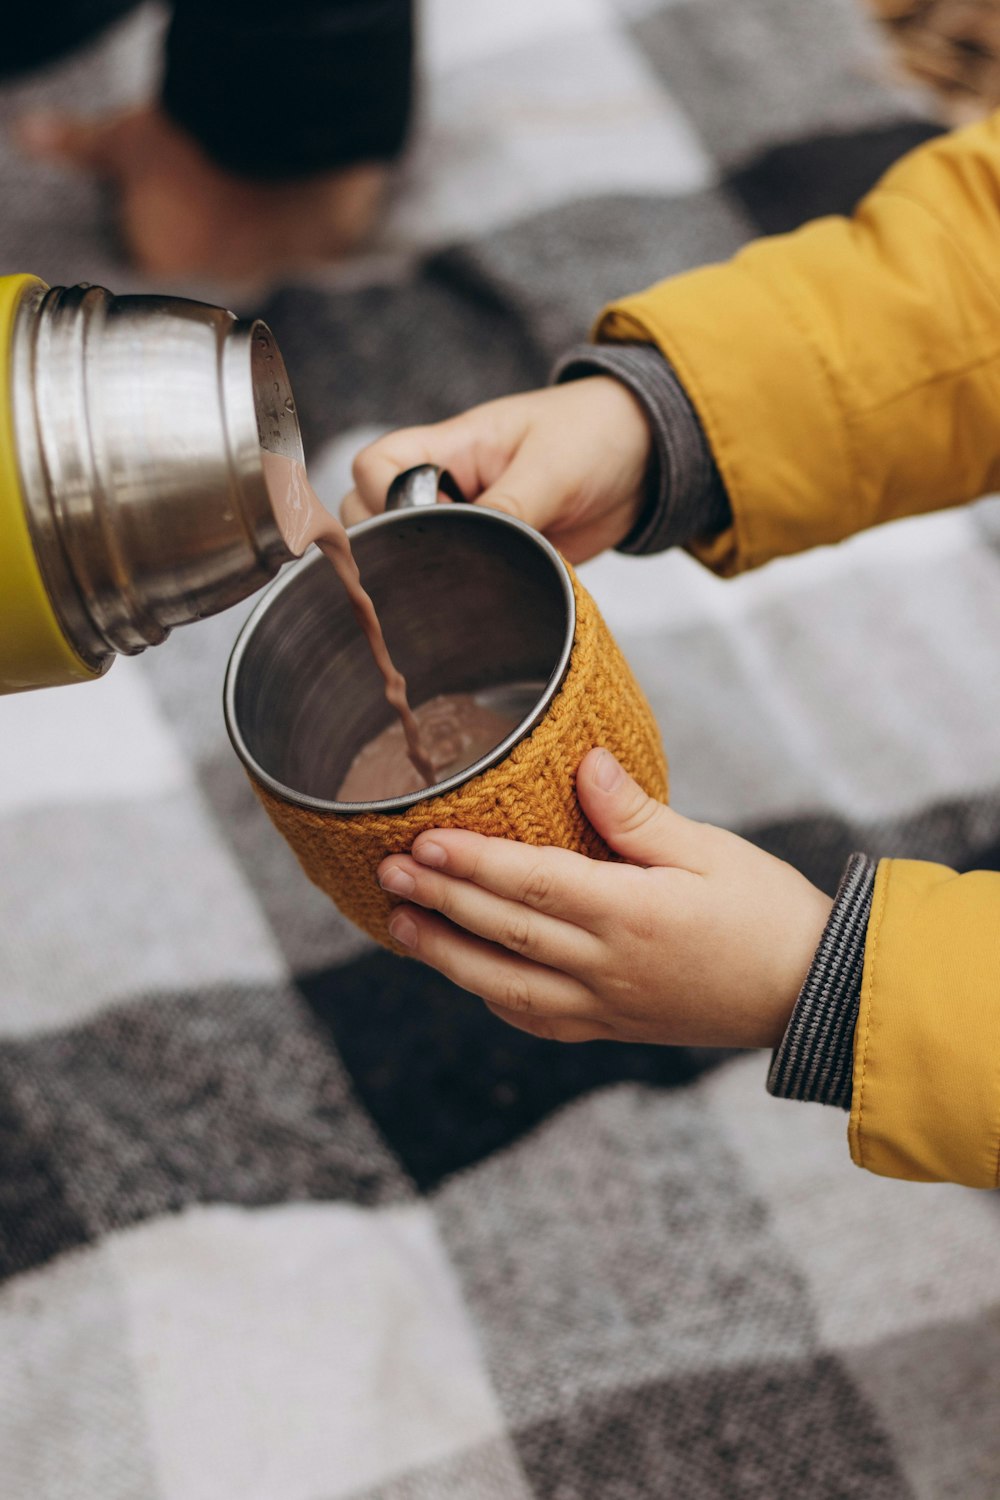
473 601
697 938
571 460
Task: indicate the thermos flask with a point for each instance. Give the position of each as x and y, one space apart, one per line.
132 497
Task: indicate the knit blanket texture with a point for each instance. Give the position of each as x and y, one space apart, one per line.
286 1217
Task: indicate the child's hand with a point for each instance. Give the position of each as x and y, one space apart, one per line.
700 940
571 460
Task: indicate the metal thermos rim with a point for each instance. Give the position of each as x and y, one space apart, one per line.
139 422
282 595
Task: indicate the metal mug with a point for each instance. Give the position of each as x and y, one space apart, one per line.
471 601
130 473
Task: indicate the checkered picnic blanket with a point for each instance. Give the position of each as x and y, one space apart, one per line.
283 1217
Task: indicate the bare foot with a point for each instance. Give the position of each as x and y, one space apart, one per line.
181 214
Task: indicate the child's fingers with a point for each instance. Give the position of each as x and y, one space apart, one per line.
353 509
451 444
502 979
556 882
376 466
509 923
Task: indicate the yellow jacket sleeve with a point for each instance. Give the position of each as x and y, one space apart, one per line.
849 373
846 375
926 1096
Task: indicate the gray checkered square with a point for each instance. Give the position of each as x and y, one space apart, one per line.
660 1265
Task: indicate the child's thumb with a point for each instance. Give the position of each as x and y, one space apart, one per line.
642 830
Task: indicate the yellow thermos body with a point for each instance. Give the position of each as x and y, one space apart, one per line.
34 651
132 495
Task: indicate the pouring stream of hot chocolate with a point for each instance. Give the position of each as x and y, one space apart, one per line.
302 518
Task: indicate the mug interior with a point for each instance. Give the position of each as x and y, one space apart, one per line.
470 602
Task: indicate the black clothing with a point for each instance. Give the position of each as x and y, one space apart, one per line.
269 90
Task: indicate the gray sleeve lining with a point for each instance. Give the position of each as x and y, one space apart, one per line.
686 496
815 1058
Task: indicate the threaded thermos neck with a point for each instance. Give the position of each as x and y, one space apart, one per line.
138 423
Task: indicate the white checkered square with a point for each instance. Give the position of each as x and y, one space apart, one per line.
299 1352
542 125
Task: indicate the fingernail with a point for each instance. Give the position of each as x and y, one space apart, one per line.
429 853
398 882
608 773
403 929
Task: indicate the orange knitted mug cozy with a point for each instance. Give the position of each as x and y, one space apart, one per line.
530 796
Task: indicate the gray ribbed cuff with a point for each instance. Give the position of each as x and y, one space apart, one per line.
686 496
815 1058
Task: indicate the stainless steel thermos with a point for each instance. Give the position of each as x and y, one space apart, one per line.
132 497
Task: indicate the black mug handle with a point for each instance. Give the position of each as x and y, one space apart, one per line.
419 487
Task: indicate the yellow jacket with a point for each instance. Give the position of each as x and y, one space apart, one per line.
869 390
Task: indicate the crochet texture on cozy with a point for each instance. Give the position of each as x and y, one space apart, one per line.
529 796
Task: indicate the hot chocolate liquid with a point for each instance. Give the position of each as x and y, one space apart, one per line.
303 518
455 729
419 749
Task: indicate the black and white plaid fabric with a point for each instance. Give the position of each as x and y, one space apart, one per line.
286 1218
